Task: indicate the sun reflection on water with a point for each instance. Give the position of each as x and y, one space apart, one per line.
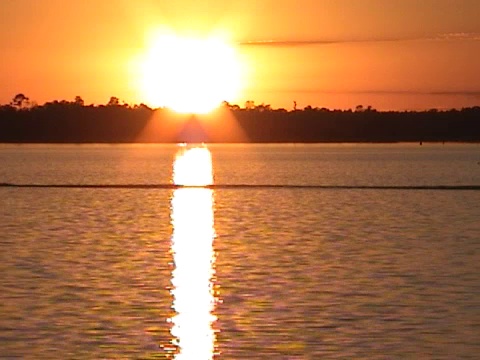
193 166
193 256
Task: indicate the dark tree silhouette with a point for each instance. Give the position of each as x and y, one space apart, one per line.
113 101
71 121
79 101
20 101
249 105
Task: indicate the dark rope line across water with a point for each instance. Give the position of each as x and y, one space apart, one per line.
245 186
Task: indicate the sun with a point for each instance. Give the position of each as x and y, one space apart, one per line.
190 75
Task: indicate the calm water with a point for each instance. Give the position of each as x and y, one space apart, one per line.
235 273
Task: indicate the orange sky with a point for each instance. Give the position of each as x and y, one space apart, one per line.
395 54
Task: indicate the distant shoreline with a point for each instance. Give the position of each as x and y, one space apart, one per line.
72 123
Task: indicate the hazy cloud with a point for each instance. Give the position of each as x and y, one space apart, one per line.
293 43
474 93
457 93
275 43
459 36
468 93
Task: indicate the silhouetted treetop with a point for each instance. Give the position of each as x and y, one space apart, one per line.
20 101
113 101
79 101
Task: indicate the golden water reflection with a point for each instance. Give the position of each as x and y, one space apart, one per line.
193 255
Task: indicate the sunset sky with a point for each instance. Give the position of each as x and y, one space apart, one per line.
395 54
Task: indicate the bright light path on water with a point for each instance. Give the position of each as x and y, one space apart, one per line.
193 255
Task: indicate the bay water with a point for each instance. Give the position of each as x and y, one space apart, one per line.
308 252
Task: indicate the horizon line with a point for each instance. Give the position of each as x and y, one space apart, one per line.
248 186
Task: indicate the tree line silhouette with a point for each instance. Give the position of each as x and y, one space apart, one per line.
22 121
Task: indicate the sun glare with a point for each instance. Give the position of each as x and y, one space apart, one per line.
190 75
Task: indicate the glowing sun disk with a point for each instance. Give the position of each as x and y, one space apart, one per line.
190 75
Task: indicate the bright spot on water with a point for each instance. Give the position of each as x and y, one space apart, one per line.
193 167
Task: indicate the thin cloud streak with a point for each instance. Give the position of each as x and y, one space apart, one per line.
469 93
288 43
474 93
295 43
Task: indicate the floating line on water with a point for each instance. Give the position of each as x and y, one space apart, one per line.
245 186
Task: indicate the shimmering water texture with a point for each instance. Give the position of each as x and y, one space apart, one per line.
295 252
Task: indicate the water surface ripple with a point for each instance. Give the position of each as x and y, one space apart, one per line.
326 252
